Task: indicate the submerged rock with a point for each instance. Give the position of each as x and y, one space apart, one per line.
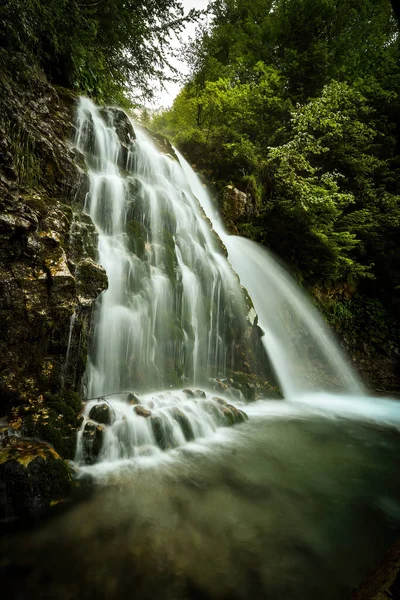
32 478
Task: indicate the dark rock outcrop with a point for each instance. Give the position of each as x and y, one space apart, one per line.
92 440
49 278
236 207
384 581
32 478
102 413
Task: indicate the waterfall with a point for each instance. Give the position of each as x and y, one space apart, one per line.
305 356
173 305
175 314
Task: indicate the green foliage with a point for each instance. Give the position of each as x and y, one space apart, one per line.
102 48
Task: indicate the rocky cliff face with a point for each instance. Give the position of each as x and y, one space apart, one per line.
49 278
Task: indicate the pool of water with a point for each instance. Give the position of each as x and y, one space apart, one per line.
297 503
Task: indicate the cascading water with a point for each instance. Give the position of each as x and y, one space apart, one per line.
174 311
303 352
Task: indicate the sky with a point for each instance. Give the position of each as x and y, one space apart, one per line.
166 97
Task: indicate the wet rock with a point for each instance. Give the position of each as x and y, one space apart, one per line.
164 145
237 205
220 386
383 583
189 393
102 413
117 118
184 423
200 394
92 439
48 275
159 433
239 416
215 411
141 411
32 478
133 399
91 280
219 400
87 139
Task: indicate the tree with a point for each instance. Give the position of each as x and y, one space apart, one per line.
99 47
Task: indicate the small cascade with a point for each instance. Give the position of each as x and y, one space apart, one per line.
128 425
305 356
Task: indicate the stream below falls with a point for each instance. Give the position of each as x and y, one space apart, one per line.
298 502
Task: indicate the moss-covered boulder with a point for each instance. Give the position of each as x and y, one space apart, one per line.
234 415
102 413
159 432
183 423
33 477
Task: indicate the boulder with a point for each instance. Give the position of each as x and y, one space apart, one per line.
184 423
236 205
102 413
141 411
33 477
159 432
92 440
133 399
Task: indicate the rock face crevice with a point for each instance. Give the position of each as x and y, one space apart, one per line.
49 277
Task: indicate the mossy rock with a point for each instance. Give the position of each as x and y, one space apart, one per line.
102 413
239 416
183 423
54 420
33 477
159 432
137 236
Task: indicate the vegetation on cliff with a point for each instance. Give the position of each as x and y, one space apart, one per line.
296 103
101 48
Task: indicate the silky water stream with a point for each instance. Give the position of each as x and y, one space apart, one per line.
297 502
